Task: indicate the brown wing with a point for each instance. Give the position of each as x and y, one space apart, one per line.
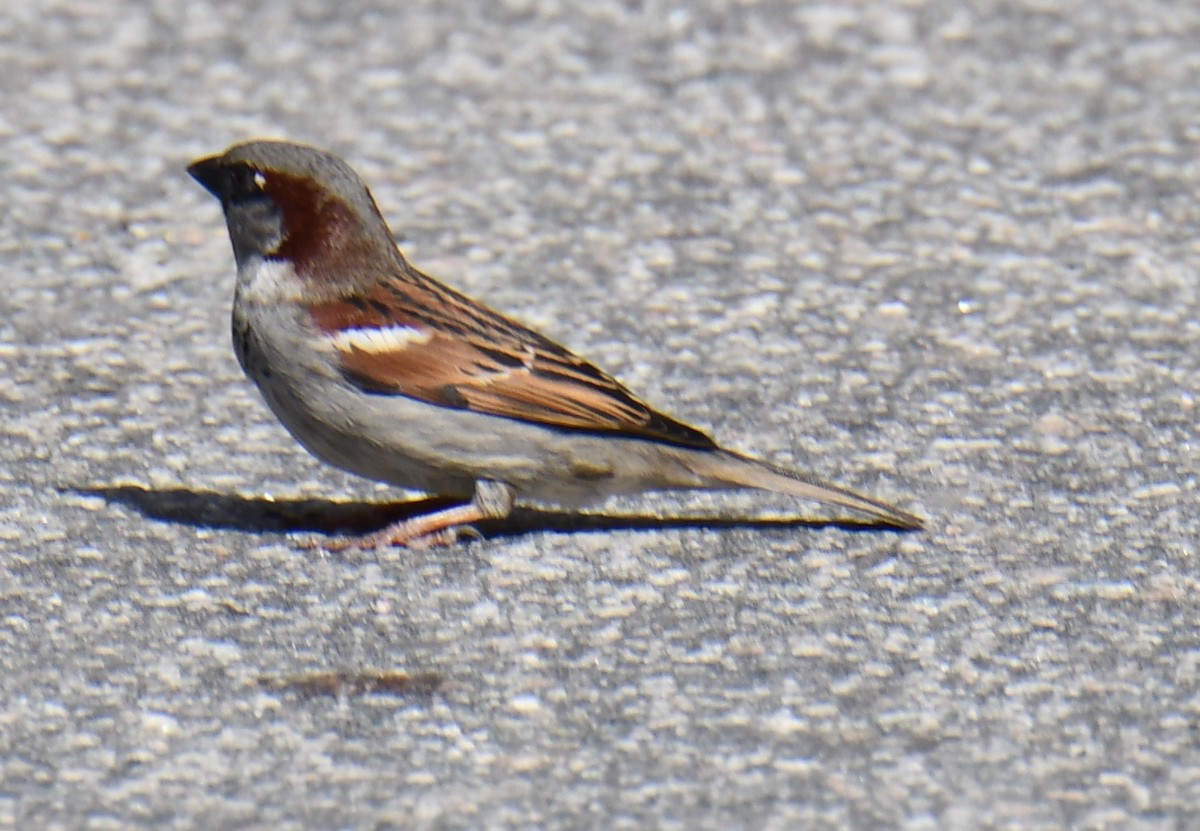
418 338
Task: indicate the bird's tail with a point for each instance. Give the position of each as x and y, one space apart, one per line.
743 472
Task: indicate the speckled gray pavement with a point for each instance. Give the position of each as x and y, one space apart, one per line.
946 253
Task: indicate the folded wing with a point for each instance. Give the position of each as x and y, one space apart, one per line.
417 338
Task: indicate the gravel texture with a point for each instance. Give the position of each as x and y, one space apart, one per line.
943 252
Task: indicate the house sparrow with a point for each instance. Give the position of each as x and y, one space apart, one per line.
381 370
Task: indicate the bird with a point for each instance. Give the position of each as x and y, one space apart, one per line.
380 370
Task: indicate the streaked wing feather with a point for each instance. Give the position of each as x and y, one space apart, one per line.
418 338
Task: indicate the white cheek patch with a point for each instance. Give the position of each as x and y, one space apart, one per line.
378 341
268 281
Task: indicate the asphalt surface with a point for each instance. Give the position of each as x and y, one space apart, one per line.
945 253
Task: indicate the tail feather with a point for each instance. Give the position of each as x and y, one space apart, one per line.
744 472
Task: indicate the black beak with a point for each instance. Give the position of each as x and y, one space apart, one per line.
209 173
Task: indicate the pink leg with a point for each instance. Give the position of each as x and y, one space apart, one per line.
492 500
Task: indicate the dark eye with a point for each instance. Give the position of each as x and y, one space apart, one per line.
245 184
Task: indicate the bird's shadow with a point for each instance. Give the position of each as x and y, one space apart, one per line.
256 514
